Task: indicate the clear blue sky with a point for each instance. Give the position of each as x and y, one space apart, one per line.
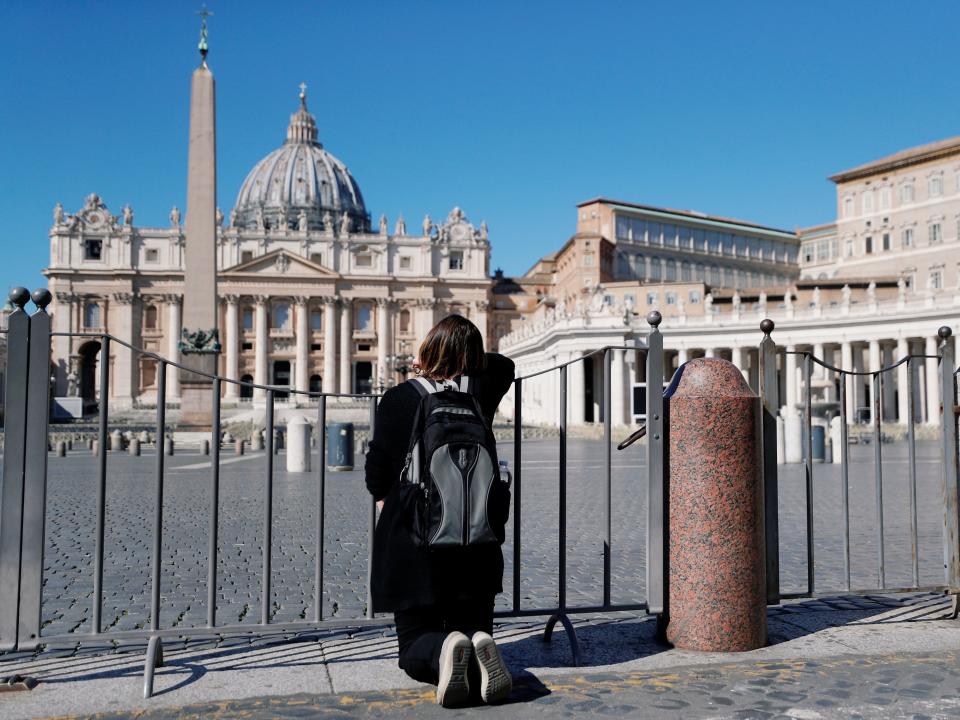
513 110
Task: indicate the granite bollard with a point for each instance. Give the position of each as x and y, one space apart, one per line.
168 446
204 447
238 447
134 447
116 441
717 584
256 440
61 448
298 445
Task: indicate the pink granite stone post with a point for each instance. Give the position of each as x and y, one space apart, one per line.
717 586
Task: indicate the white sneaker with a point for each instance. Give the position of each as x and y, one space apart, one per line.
495 679
453 687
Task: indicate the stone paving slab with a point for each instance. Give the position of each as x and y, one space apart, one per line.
901 642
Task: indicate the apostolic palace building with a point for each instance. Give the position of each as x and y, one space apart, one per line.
313 295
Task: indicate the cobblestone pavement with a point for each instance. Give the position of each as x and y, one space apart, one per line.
68 578
916 686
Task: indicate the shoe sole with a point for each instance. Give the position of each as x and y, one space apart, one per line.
495 679
453 687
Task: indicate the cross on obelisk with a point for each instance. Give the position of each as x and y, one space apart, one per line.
199 338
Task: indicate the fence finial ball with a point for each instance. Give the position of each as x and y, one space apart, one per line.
654 318
41 297
19 296
766 326
944 332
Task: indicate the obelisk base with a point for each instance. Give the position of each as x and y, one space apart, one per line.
196 399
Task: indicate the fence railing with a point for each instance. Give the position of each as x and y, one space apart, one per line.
25 483
24 488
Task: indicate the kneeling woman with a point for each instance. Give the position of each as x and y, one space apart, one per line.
442 600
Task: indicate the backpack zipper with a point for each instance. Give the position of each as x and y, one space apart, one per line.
466 497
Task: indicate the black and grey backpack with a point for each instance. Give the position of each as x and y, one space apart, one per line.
451 465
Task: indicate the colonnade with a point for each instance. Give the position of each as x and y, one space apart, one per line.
585 379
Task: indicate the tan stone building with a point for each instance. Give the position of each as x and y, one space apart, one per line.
312 296
896 216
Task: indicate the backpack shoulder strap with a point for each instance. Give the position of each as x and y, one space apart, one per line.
423 386
465 383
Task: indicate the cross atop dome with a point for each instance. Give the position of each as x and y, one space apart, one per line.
303 126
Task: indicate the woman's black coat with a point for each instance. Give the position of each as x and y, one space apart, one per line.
405 575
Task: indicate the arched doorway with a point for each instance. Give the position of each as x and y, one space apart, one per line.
89 354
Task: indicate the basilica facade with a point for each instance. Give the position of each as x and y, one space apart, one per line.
312 295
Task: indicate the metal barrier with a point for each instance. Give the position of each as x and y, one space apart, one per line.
23 497
948 451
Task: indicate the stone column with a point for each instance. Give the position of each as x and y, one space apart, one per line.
874 358
859 383
710 352
302 376
575 390
233 346
737 357
886 382
260 346
330 345
846 363
173 344
346 345
63 314
481 308
682 356
618 394
790 373
382 375
818 370
903 380
933 381
123 374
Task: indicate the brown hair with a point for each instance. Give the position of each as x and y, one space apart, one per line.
453 347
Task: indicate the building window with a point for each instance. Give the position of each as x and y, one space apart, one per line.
936 186
247 319
93 249
364 260
685 271
907 237
655 269
91 315
316 384
246 256
808 252
316 258
884 198
694 297
671 298
629 299
906 194
671 271
405 263
936 280
935 234
587 260
886 241
364 318
246 391
316 320
848 206
150 317
824 249
404 321
148 372
868 245
152 255
456 259
281 316
867 202
652 298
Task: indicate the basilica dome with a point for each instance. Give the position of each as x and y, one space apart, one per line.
300 182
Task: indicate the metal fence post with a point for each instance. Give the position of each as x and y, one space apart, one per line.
11 492
769 401
948 435
35 472
657 497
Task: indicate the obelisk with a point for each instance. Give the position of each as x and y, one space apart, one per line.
199 339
